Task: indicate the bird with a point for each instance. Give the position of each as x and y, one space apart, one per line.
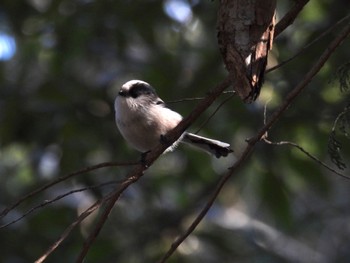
143 120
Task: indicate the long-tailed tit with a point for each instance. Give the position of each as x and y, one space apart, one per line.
143 118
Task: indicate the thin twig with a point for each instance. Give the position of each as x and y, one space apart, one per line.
93 235
304 49
60 179
340 115
59 197
184 100
70 228
308 154
196 98
265 138
253 141
213 114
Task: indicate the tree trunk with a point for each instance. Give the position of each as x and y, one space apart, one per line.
245 36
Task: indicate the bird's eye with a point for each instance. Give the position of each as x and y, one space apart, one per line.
122 93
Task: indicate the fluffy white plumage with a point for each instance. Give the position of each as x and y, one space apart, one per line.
142 118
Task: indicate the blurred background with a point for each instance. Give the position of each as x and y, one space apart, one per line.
61 65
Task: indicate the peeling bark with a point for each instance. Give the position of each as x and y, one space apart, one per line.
245 36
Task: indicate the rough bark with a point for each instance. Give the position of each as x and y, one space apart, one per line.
245 36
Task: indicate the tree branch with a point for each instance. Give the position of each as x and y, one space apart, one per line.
93 235
307 154
253 141
304 49
48 202
289 18
61 179
69 229
214 112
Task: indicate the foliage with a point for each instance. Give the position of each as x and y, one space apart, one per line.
342 122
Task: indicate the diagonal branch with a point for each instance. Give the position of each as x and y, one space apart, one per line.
93 235
305 48
215 111
70 228
289 18
57 198
253 141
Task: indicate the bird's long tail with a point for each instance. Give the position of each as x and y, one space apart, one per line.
217 148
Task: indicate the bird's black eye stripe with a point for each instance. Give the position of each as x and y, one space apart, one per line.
141 89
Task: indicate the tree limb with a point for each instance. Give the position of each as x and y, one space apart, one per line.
304 48
307 154
112 200
57 198
289 18
70 228
61 179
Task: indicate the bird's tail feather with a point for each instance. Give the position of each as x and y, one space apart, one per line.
217 148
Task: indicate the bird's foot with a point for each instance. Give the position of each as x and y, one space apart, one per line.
143 158
163 139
